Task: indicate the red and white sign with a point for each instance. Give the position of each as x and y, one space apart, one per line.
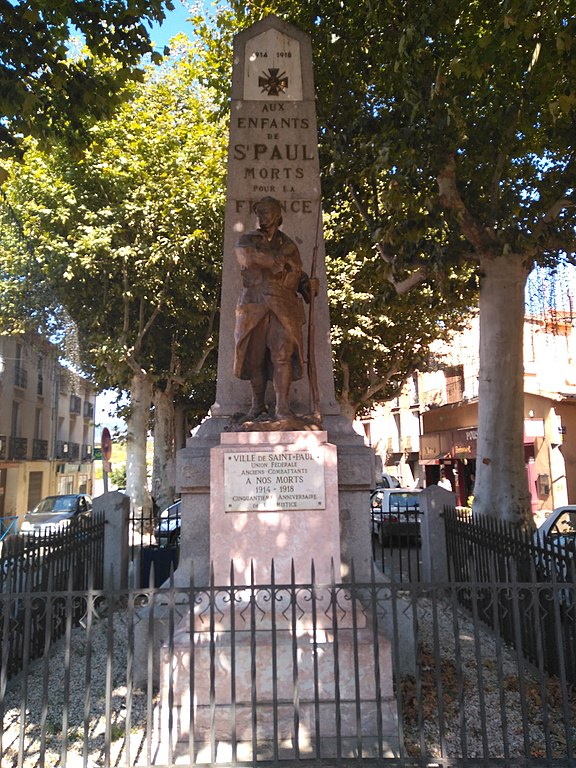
106 443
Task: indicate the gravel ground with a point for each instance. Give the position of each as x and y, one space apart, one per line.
443 708
489 705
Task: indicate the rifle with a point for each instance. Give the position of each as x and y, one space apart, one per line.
311 363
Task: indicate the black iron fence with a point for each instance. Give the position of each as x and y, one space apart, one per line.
540 623
155 544
323 674
399 559
57 564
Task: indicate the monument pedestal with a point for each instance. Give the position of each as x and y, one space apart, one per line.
274 498
347 517
268 660
302 671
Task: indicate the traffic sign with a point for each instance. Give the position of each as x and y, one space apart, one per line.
106 443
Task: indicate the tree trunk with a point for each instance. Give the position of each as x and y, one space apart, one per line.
181 428
347 408
501 486
163 467
137 433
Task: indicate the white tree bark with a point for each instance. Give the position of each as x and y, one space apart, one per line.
501 486
163 468
137 432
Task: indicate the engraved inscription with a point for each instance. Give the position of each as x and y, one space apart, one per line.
279 480
272 68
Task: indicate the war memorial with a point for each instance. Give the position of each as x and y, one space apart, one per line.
275 482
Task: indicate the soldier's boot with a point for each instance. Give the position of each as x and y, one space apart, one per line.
258 394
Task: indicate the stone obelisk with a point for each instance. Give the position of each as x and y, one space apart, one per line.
292 490
273 153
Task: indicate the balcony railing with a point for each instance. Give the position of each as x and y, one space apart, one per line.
74 451
88 410
17 448
87 452
62 450
39 449
20 377
75 404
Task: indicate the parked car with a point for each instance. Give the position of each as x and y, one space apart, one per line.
54 513
168 528
395 512
389 481
557 535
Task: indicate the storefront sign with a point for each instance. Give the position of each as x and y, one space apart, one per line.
464 443
533 428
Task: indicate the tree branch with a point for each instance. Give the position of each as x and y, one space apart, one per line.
541 230
345 368
479 237
403 286
208 344
386 252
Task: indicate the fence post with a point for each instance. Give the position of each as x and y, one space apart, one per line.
116 509
434 553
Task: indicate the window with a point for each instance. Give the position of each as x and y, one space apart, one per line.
15 430
38 424
20 373
40 387
454 383
65 484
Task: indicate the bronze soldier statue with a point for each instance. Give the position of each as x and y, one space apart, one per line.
270 312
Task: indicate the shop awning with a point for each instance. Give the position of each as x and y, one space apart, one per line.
435 459
397 456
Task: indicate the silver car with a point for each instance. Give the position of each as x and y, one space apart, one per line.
54 513
556 544
395 513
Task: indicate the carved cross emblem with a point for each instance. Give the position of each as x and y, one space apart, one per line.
273 83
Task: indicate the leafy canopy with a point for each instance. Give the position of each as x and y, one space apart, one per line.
447 118
44 90
128 231
447 137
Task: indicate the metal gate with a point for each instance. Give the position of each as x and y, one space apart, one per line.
153 677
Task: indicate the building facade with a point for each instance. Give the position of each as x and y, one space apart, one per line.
46 426
445 404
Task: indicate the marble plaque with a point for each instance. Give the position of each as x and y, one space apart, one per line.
274 480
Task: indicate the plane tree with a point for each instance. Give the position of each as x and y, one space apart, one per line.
45 91
451 127
127 232
381 337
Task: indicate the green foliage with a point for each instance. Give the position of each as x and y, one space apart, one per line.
128 231
380 337
446 136
27 300
451 126
46 91
117 475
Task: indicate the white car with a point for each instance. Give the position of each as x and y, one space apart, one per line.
395 512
